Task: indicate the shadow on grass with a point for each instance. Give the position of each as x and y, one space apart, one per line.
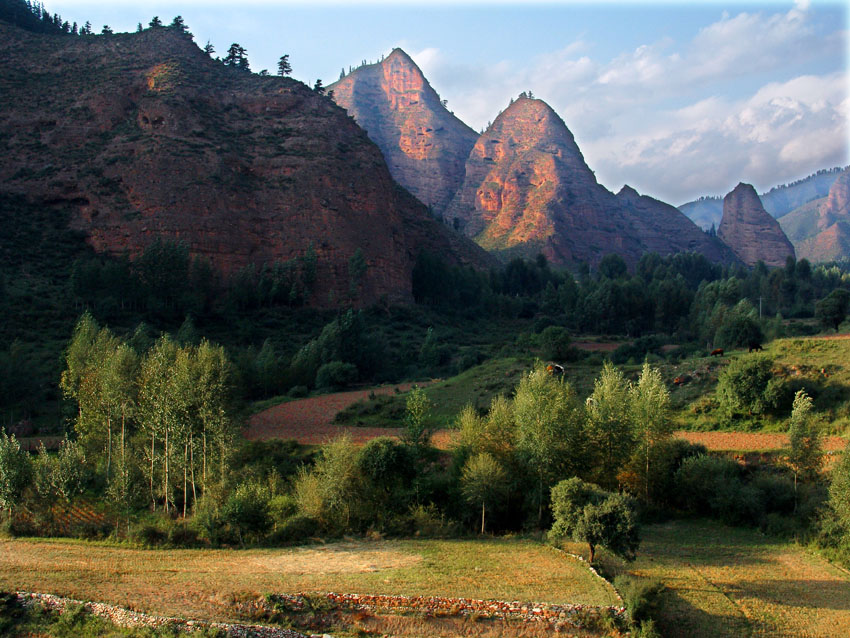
678 618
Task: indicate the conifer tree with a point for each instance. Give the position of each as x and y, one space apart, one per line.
283 66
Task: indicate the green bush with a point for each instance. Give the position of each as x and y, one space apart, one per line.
335 375
641 597
556 344
246 511
744 387
298 391
295 529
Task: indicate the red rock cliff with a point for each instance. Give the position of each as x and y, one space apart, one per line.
424 144
749 230
148 137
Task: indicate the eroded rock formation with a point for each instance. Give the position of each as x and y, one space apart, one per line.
424 144
749 230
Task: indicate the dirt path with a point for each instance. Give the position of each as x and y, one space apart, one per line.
310 421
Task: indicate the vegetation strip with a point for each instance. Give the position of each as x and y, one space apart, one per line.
127 618
443 606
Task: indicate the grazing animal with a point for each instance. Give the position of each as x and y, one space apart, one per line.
717 352
555 370
755 346
681 380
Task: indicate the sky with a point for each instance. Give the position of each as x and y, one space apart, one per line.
676 99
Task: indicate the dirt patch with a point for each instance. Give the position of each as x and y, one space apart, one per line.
737 441
339 559
592 346
310 421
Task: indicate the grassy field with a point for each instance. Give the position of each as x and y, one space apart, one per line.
726 582
203 583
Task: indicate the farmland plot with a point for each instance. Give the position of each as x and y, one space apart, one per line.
726 581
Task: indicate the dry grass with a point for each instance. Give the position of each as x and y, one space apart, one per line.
203 583
736 582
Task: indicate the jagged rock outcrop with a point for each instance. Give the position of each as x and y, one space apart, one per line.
146 137
749 230
663 229
527 189
820 229
425 145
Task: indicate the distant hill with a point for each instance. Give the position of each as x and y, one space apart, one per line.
142 136
820 229
778 201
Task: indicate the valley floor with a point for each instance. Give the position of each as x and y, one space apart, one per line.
732 582
204 584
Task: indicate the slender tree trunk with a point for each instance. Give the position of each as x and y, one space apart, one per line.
192 468
108 446
153 455
482 518
592 552
165 477
185 478
204 459
646 476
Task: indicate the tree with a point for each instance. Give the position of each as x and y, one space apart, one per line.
106 30
318 88
550 434
839 493
236 58
586 513
417 408
612 266
283 67
14 471
155 22
832 310
610 424
806 455
179 25
650 408
742 387
331 491
482 481
556 342
209 49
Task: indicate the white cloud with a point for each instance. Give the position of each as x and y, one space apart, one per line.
618 109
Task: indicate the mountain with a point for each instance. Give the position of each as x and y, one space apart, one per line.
778 201
527 189
820 229
705 212
144 136
781 200
425 145
748 229
663 229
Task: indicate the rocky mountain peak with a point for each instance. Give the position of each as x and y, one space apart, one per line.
424 144
750 231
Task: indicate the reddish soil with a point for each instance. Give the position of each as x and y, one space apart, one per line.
310 421
592 346
749 441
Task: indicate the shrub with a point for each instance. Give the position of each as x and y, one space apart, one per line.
742 387
556 343
640 596
246 510
295 529
298 391
150 535
336 374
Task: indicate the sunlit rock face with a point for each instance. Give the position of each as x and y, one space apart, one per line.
527 189
144 136
425 145
749 230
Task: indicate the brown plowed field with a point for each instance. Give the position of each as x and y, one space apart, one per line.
310 420
751 441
